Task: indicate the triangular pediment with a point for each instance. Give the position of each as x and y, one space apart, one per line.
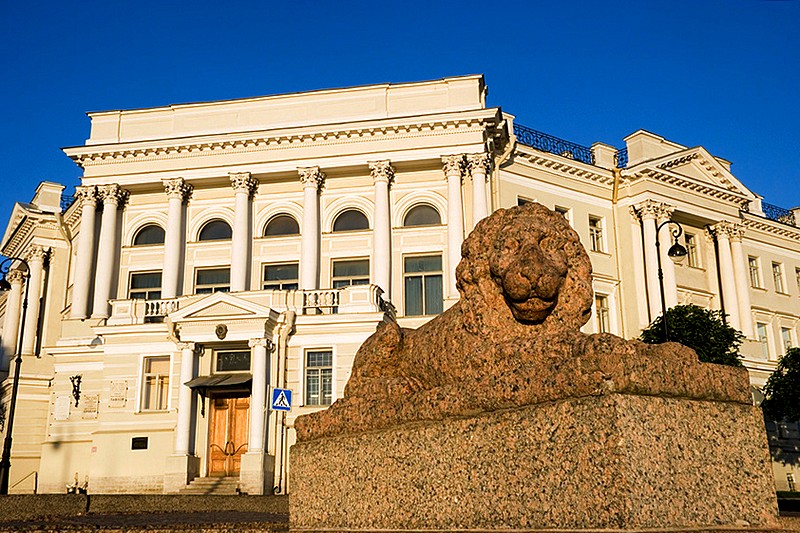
699 165
220 305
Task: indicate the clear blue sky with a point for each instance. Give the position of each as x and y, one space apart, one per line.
721 73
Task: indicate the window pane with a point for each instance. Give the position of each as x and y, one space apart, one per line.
413 295
319 358
433 294
430 263
286 271
149 280
150 234
215 230
422 215
157 365
213 276
327 386
359 267
282 225
351 220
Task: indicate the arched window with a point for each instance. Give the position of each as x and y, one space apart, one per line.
422 215
350 220
149 234
281 225
215 230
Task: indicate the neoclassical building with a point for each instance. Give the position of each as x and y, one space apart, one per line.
216 251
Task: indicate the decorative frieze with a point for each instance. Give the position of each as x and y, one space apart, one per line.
382 171
311 176
243 182
177 188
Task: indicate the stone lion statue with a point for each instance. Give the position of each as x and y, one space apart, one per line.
513 338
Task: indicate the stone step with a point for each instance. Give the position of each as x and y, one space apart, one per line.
212 486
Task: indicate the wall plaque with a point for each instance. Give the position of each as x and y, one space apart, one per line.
61 410
119 394
90 403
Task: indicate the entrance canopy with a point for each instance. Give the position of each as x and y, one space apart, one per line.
220 382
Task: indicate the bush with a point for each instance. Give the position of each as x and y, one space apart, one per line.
701 329
782 390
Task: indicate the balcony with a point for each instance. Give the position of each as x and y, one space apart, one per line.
354 299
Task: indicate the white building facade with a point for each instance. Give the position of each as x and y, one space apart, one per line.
216 251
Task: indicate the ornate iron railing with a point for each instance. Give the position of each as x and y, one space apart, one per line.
778 214
621 158
66 201
554 145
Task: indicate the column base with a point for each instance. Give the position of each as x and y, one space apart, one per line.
179 471
257 472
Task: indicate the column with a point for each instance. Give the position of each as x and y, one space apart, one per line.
648 212
258 400
480 165
383 175
11 324
183 429
740 273
36 259
312 178
723 231
453 166
112 196
244 187
666 240
178 191
87 196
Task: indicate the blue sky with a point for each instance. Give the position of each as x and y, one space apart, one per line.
721 73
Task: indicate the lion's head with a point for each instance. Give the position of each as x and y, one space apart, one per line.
529 261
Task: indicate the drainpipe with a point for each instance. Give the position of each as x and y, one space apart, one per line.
502 159
614 198
64 230
285 329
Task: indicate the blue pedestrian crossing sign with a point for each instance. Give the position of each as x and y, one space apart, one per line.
281 400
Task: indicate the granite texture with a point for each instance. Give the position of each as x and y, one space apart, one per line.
501 414
616 461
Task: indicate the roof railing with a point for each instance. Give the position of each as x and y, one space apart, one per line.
554 145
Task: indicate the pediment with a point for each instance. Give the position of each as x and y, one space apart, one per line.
700 166
220 305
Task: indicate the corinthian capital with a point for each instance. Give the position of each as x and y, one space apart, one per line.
311 176
243 182
177 188
112 194
86 195
38 253
650 209
15 276
479 163
453 165
725 230
382 171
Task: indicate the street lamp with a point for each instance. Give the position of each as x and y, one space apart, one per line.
676 252
5 462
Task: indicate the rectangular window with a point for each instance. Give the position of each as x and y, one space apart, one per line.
208 280
755 272
596 234
797 278
319 377
155 384
233 361
280 277
602 313
523 201
145 286
777 276
761 330
422 283
790 482
691 250
564 212
786 338
350 272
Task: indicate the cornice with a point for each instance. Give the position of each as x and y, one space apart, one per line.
691 184
166 149
26 224
775 228
711 167
563 165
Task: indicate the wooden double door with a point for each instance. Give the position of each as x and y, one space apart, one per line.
229 423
